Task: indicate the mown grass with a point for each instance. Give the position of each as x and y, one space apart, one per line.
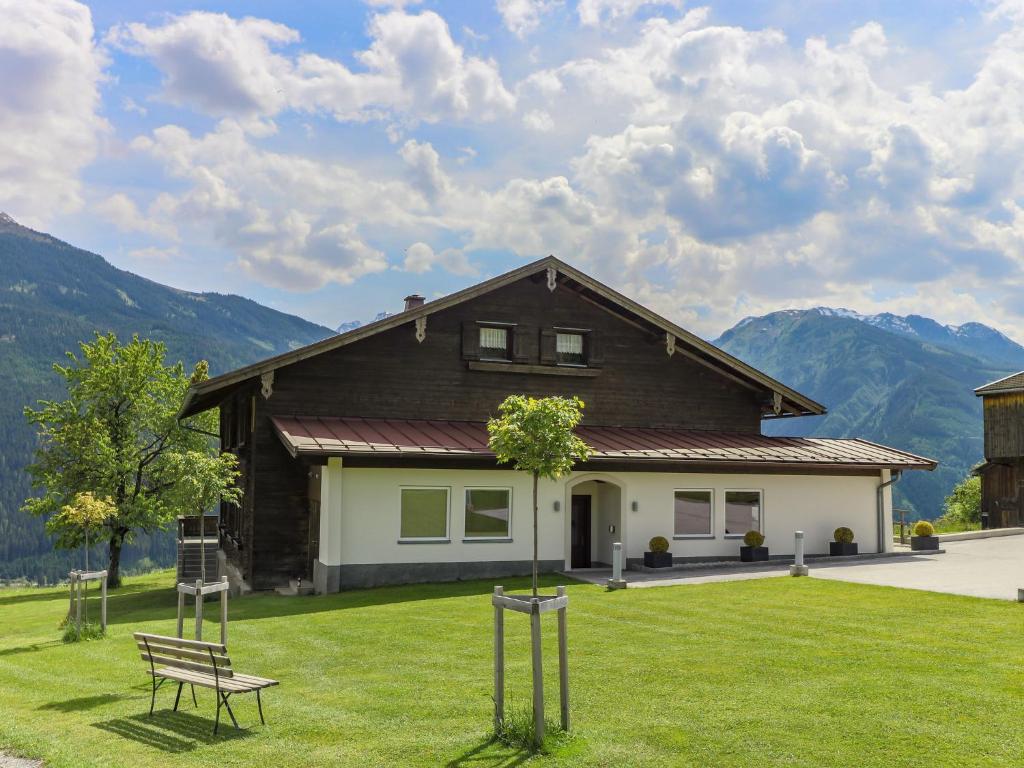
770 672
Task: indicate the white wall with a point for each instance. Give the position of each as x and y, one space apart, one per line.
370 498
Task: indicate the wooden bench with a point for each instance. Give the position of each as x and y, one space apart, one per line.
192 663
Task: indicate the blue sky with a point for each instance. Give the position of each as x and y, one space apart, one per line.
712 161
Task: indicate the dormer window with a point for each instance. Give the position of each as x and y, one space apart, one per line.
494 343
570 348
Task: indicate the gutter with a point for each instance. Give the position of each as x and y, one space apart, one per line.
881 507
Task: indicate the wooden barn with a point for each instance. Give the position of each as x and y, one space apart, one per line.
1002 474
365 458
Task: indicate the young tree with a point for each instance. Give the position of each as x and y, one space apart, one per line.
537 436
73 523
204 480
113 436
963 505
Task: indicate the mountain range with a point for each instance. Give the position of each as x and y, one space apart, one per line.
903 381
53 295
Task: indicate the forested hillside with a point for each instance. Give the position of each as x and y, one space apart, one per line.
53 295
904 381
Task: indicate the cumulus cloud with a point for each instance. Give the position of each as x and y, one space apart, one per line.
596 12
250 67
50 124
420 258
521 17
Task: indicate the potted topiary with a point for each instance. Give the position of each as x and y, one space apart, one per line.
752 551
658 556
924 537
843 544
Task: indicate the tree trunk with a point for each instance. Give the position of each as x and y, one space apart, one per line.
114 568
534 534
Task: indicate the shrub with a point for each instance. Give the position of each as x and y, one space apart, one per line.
924 528
658 544
753 538
843 535
89 631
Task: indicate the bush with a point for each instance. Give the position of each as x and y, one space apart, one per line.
658 544
924 528
963 506
843 535
89 631
753 538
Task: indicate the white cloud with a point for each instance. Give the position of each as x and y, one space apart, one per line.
50 126
121 211
424 167
420 258
521 17
538 120
246 67
596 12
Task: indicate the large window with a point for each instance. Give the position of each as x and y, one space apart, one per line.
569 349
693 513
742 512
488 512
424 514
494 343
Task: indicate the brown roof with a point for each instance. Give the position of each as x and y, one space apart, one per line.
310 436
1012 383
209 393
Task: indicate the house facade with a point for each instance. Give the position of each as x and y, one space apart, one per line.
364 456
1002 473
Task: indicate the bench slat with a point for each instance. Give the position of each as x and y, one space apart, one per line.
178 642
170 661
185 653
206 681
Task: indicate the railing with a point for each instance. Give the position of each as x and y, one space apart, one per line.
904 527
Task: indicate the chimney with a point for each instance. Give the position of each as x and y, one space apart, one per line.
413 301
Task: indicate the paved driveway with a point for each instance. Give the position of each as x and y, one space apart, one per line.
978 567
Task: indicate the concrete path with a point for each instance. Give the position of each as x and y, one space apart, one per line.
979 568
8 761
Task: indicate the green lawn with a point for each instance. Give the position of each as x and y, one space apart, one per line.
770 672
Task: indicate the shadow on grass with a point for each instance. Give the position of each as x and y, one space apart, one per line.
87 702
169 731
159 604
479 758
51 593
30 648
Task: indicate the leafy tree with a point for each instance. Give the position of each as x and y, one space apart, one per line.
114 436
963 505
536 435
85 513
203 481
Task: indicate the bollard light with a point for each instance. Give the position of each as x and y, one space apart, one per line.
616 581
798 568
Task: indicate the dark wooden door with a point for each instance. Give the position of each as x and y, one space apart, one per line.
580 532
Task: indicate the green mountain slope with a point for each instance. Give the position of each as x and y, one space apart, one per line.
885 385
52 295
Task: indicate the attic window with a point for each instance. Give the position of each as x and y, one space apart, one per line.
494 343
569 349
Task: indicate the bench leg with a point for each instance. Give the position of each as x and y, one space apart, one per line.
223 697
152 701
177 697
259 704
194 702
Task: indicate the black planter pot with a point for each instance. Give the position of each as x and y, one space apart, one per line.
657 559
753 554
841 549
923 543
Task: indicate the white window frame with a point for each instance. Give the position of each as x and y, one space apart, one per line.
508 328
584 334
684 536
494 539
446 539
725 510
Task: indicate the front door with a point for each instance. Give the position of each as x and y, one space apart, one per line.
580 532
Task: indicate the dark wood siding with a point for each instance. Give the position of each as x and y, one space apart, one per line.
392 375
1002 493
1004 425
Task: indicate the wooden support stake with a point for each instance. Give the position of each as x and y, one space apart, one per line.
538 673
499 661
563 662
199 609
71 592
224 612
181 614
78 602
103 602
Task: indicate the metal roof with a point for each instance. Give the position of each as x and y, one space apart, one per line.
1012 383
209 393
311 436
